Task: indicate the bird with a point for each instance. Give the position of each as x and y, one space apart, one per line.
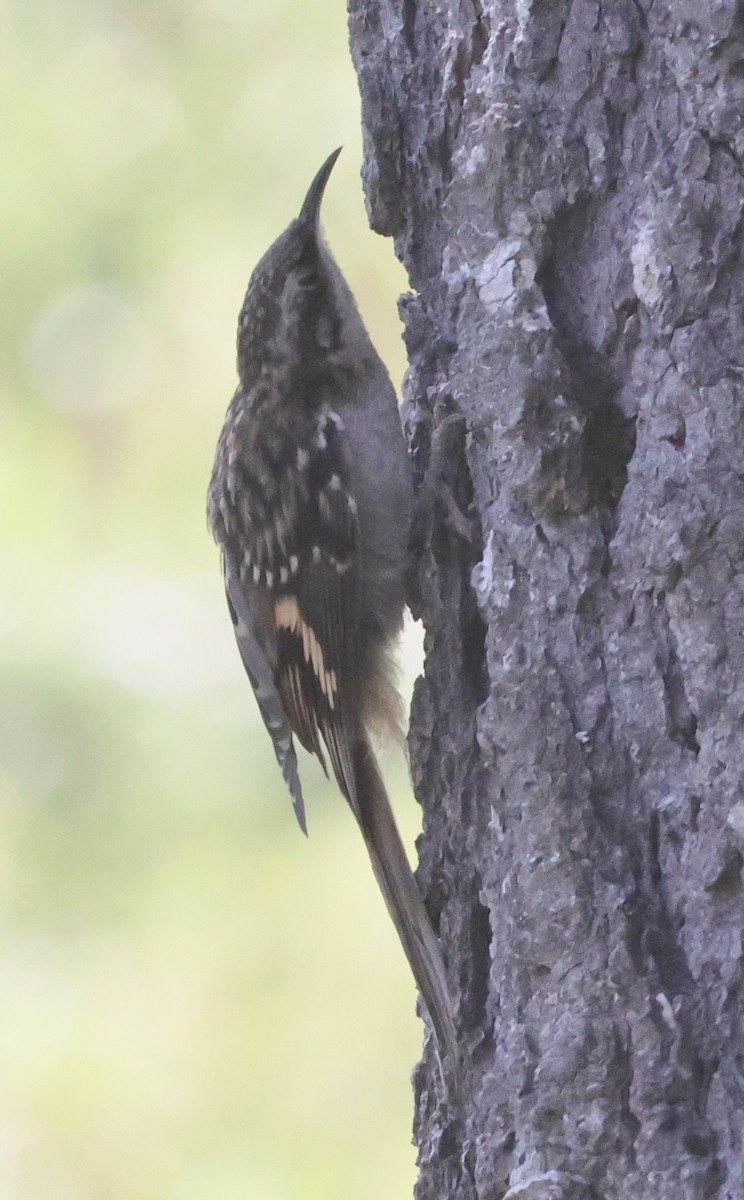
310 502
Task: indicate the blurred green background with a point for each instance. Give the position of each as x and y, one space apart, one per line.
195 1002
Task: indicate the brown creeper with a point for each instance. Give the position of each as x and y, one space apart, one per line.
310 502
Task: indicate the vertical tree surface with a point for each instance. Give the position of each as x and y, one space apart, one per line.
563 181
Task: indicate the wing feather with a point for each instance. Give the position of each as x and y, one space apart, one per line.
289 531
262 680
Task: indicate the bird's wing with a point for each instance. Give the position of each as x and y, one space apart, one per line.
260 674
314 613
291 547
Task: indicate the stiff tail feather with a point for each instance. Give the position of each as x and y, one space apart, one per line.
403 899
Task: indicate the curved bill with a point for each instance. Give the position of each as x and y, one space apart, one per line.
310 210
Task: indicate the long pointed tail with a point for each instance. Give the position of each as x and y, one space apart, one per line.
403 899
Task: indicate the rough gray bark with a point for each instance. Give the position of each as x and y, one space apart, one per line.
563 180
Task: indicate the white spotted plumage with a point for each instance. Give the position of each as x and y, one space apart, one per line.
310 501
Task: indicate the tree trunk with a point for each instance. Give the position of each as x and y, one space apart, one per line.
564 185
